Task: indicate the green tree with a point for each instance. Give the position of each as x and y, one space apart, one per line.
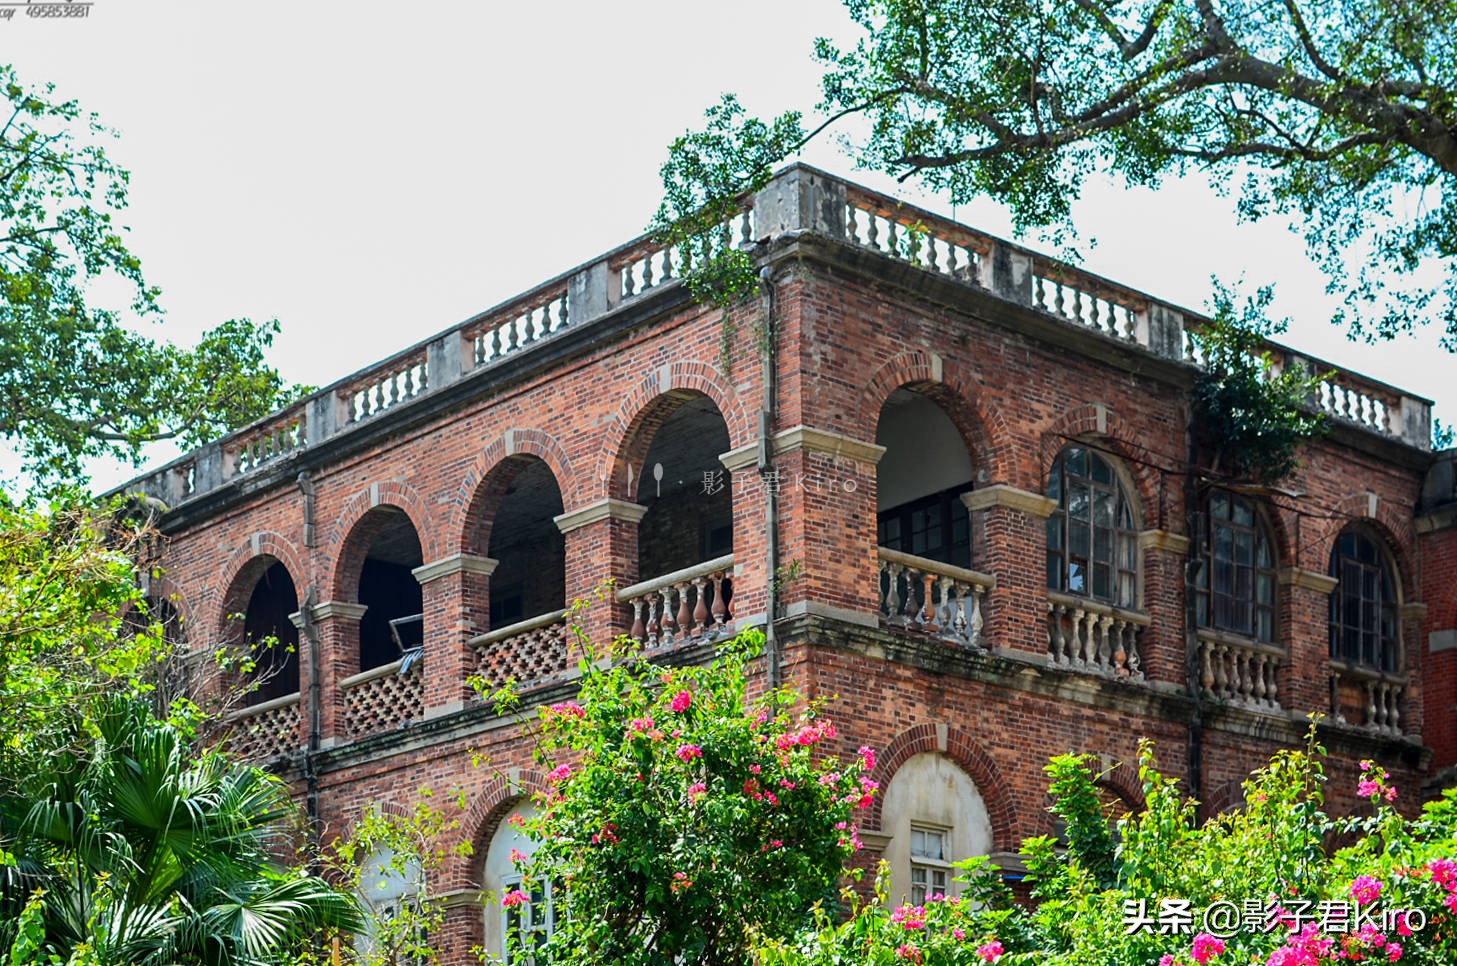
682 818
140 849
76 381
1339 113
66 577
1099 897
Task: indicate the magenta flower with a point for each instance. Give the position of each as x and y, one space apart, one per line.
1393 952
908 952
909 917
990 952
559 774
1365 889
513 898
681 701
867 757
1206 947
689 752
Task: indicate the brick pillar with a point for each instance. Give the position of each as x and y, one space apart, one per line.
826 513
1162 647
1305 686
1009 533
601 543
1413 637
457 606
336 628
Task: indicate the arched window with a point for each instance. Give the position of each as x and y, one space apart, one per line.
524 925
934 815
1091 541
1234 590
1364 629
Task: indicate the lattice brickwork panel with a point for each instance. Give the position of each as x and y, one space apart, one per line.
529 656
268 735
384 703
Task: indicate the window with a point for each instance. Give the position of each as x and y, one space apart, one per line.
932 815
389 886
1235 588
1091 543
936 527
1363 605
528 925
929 866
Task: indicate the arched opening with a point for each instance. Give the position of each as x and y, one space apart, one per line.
392 623
686 490
530 575
935 816
920 479
270 637
530 922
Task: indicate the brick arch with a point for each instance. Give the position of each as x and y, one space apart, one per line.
1122 780
1097 422
245 565
629 434
984 430
350 541
1388 525
1229 796
480 492
969 756
488 809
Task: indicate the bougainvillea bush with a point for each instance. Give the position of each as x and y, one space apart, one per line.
683 817
1263 885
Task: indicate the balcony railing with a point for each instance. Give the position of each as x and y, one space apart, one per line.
836 209
685 605
267 730
524 652
929 597
383 698
1367 698
1239 670
1091 636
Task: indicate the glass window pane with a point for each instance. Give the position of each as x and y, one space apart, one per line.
1102 472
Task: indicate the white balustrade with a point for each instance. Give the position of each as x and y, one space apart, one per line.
930 597
686 605
501 335
1088 635
1239 671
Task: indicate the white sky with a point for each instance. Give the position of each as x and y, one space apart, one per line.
371 173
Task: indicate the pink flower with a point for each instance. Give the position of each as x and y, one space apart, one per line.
559 774
681 701
908 952
517 857
696 789
867 757
567 709
957 933
1365 889
990 952
641 724
1393 952
1389 794
1206 947
754 769
516 820
689 752
513 898
1167 959
1366 788
1402 929
1444 872
910 917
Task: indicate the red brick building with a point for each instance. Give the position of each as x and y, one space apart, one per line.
970 462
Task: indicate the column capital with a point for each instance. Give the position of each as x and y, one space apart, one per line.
454 564
1173 543
1000 494
1306 580
608 509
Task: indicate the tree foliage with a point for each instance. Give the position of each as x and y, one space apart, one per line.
1249 417
1283 898
138 848
76 380
1339 112
683 818
66 578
